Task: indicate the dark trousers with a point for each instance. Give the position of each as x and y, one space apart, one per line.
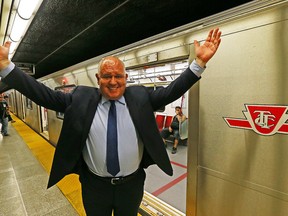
100 197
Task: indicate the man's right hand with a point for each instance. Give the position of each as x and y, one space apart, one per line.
4 53
207 50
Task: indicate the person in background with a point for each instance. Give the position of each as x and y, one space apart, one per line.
8 110
4 116
173 129
109 134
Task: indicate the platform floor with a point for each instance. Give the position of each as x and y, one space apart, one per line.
23 180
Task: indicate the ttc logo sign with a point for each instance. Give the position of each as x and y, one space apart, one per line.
262 119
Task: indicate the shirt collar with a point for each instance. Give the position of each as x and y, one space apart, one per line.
121 100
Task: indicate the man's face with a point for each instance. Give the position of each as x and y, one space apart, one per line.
112 78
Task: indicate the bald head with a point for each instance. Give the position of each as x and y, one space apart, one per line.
109 63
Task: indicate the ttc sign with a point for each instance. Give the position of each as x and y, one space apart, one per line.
262 119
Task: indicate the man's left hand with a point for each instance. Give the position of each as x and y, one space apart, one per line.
206 51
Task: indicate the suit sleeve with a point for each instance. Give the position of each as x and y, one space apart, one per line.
36 91
163 96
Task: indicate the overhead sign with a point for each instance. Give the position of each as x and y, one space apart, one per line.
26 67
262 119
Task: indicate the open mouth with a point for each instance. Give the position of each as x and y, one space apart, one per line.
112 88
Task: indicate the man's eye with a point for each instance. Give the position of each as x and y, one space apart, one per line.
110 77
118 76
106 77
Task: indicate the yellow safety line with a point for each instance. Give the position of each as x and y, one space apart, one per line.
44 152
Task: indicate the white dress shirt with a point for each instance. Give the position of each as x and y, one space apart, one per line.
130 147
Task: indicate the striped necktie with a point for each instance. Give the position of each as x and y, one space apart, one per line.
112 159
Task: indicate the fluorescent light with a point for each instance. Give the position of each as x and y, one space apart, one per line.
12 47
22 19
26 8
18 28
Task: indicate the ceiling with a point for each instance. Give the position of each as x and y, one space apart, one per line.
64 33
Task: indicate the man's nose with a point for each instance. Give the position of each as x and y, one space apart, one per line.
113 79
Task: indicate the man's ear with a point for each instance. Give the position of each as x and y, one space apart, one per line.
97 77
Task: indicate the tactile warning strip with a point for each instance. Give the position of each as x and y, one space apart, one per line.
44 152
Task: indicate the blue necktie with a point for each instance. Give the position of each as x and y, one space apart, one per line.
112 159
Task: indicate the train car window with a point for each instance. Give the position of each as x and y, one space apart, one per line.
162 73
29 104
65 89
152 88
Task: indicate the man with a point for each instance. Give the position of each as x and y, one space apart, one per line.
173 129
4 115
104 137
6 97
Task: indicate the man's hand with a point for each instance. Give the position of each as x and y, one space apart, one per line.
4 52
206 51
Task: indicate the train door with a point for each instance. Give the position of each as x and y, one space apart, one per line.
20 105
12 101
159 186
44 122
238 162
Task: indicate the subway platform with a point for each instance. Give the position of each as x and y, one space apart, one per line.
23 177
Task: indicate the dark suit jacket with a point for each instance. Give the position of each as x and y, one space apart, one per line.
80 106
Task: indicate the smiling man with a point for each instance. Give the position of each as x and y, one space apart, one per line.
109 134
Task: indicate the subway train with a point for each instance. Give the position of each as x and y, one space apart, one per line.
232 160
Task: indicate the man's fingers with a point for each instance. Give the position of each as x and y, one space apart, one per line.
7 44
196 44
219 34
219 41
216 37
209 37
215 33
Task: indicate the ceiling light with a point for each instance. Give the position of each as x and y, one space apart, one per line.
19 26
22 19
26 8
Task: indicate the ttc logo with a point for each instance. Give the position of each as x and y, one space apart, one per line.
262 119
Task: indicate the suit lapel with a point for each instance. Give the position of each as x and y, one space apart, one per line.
133 106
90 113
